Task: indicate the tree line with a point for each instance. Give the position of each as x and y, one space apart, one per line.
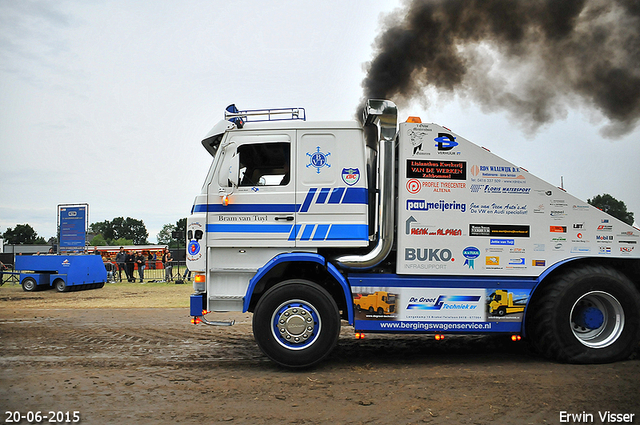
119 231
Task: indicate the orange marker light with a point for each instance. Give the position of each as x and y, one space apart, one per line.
225 200
196 320
359 335
439 337
199 278
516 337
415 120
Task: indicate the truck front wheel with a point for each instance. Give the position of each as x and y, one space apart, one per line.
587 315
296 323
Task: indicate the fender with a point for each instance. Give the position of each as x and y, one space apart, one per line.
539 280
300 256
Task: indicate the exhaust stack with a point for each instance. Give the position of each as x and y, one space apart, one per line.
382 114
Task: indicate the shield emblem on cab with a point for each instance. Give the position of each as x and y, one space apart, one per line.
350 176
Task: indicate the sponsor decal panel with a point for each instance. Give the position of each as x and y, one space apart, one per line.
604 250
580 207
516 263
495 190
195 233
470 253
427 258
507 230
425 169
629 234
412 227
442 205
414 186
441 309
445 143
419 138
604 238
558 229
498 209
580 249
496 174
492 262
502 241
456 305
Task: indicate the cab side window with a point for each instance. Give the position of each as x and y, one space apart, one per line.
264 164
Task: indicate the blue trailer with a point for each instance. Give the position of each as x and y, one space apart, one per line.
64 272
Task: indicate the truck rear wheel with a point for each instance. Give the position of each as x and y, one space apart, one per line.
29 284
587 315
60 285
296 323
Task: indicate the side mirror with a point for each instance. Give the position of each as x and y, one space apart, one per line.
229 169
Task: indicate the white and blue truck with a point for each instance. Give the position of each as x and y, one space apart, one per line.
298 220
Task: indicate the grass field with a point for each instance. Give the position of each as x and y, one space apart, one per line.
112 295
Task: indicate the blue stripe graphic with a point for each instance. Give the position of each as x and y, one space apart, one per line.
323 232
322 197
307 232
308 199
338 195
355 195
348 232
245 208
249 228
294 232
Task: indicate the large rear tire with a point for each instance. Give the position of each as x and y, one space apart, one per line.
296 323
586 315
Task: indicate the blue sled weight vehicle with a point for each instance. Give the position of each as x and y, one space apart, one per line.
63 272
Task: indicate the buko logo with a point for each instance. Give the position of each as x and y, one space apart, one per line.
427 254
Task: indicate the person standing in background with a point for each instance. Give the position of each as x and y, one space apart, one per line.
140 262
120 260
168 267
130 264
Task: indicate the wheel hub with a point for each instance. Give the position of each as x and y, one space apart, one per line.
296 325
589 318
597 319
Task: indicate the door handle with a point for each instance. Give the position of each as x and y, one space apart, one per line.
287 218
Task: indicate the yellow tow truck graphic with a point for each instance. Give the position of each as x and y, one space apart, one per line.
380 302
502 303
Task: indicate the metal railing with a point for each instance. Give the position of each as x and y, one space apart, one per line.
154 271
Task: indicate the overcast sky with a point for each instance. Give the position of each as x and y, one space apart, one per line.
106 102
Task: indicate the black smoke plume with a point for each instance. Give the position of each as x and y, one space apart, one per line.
534 58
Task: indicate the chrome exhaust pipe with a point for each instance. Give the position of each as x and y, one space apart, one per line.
384 115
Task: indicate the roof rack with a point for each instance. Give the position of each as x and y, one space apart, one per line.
259 115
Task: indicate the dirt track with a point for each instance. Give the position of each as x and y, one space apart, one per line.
144 366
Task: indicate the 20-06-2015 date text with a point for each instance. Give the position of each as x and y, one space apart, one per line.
37 417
